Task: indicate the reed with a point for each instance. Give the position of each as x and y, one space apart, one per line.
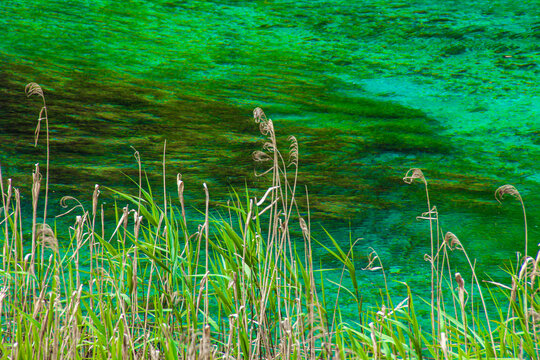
232 284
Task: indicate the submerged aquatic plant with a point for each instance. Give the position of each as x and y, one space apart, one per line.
157 284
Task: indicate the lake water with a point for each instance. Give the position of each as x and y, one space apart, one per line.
369 88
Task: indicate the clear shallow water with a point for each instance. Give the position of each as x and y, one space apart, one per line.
370 89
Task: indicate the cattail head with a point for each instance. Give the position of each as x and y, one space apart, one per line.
79 228
460 281
461 289
125 213
180 185
95 196
137 224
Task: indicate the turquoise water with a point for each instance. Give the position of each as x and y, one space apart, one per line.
369 88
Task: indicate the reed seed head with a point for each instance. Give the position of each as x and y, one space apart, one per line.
261 156
452 241
47 238
414 174
304 227
268 146
507 190
33 89
265 125
258 115
267 128
372 257
293 151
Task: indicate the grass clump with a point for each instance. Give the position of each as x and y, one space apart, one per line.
158 285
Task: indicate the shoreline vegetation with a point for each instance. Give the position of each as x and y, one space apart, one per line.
237 286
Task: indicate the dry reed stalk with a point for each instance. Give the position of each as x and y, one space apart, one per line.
4 328
165 191
232 330
34 89
410 176
373 341
19 252
444 345
36 185
279 240
500 193
512 191
453 239
462 301
180 187
149 286
6 252
205 352
448 245
95 196
134 293
207 254
79 238
70 333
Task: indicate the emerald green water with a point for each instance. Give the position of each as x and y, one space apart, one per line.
370 89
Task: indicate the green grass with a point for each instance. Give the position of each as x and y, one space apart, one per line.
157 285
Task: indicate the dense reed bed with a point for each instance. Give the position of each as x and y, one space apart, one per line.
239 285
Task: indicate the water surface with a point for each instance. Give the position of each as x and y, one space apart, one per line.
370 89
